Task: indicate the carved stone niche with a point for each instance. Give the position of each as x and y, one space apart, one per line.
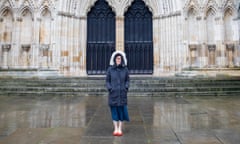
25 58
44 51
5 49
230 51
212 55
44 48
193 54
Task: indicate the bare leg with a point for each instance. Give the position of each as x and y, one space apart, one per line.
115 124
120 126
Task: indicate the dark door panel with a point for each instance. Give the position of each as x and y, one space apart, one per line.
139 38
100 37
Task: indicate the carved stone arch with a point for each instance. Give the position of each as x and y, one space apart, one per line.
45 10
152 6
89 5
119 6
228 5
191 10
7 3
22 11
211 10
7 17
4 9
210 5
228 10
29 3
45 27
110 3
228 17
47 3
148 3
84 7
227 2
191 4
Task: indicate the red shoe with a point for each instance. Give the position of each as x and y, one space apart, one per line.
119 134
115 133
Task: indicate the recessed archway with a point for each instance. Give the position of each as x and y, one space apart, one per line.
138 37
100 37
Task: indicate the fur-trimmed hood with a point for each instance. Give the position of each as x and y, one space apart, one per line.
113 56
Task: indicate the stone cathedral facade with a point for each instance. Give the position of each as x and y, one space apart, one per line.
77 37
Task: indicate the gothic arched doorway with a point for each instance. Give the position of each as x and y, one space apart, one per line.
139 38
100 37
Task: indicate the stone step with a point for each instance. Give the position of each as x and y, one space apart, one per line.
133 89
153 85
178 94
143 79
148 86
22 81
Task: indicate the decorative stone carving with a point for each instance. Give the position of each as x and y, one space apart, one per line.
5 49
25 55
193 55
230 51
44 49
212 55
67 33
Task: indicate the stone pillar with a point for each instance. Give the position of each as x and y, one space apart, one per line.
193 55
238 56
212 55
230 50
44 55
205 53
83 45
219 38
5 50
25 55
156 47
120 33
16 43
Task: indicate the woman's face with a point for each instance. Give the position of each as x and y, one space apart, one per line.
118 60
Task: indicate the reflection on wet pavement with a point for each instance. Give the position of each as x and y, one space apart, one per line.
86 120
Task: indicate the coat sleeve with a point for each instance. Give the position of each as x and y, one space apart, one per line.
127 79
108 80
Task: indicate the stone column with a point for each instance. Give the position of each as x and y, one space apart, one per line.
205 53
25 57
120 33
16 43
238 56
238 45
83 45
230 49
5 50
203 59
212 55
220 47
156 49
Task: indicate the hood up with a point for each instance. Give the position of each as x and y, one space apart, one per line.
114 54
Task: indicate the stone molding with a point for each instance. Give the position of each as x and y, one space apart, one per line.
26 47
6 47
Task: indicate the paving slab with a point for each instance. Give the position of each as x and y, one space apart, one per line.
86 120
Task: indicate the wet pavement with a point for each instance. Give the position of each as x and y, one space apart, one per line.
86 120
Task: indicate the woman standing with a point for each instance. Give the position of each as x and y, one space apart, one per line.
117 83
